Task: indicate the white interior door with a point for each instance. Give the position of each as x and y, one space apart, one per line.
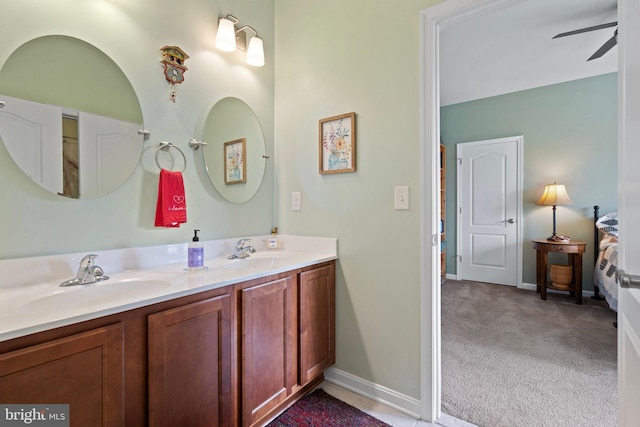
629 210
32 133
109 150
489 205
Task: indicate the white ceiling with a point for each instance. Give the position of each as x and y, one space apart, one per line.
510 47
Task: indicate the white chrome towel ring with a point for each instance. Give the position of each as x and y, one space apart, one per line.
165 146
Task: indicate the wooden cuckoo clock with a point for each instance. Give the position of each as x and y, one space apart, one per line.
173 59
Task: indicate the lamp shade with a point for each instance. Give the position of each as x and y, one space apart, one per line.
226 36
555 195
255 52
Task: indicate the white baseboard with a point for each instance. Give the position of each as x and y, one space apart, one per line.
533 287
375 392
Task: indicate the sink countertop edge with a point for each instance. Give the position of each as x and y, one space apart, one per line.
15 324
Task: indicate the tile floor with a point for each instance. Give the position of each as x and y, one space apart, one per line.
384 413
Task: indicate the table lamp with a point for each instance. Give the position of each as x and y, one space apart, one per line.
555 194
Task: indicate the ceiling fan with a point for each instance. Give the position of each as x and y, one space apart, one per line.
606 47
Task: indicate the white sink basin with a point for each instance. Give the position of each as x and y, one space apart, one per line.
96 294
258 260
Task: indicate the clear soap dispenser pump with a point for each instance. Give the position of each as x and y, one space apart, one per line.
274 242
195 253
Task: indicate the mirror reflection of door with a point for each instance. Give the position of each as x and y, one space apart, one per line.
32 134
71 153
62 77
109 150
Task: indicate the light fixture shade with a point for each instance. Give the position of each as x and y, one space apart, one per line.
226 36
255 52
555 195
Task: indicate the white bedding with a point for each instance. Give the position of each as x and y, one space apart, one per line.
604 275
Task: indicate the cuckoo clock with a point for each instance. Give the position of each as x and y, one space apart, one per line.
173 59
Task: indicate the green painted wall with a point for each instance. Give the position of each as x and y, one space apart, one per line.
570 136
131 34
335 57
71 73
322 59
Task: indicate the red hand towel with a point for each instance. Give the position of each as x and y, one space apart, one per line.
171 209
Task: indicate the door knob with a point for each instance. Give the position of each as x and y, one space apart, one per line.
628 280
510 221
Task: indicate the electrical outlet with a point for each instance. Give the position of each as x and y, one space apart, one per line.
401 198
296 201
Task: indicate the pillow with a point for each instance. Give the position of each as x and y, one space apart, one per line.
608 224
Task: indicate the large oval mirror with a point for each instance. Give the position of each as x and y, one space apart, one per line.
69 117
234 155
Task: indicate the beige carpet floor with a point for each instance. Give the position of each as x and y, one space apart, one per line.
510 359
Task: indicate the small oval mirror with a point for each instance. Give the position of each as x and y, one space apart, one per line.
70 118
234 154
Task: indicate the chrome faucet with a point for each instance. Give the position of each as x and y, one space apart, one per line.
87 273
241 250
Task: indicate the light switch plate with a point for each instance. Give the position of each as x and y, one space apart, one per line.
296 201
401 198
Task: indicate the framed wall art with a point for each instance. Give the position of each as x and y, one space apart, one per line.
338 144
235 164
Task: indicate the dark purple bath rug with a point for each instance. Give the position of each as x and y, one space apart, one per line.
320 409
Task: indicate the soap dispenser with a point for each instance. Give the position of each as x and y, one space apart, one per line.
273 242
195 252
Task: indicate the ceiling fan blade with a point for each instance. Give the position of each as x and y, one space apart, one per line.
587 29
606 47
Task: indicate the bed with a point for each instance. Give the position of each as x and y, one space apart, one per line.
606 257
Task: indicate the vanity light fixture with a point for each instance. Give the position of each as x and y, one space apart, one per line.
255 52
228 38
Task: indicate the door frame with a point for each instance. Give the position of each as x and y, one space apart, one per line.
518 140
431 20
628 175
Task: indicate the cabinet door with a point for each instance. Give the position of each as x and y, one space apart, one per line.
268 325
190 365
317 322
84 370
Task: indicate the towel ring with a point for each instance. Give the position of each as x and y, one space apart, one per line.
165 146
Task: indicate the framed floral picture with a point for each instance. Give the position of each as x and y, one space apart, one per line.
338 144
235 169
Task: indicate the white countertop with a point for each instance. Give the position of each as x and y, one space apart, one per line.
31 299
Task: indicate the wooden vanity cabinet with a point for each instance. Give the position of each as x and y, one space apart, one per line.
232 356
267 324
287 329
317 321
163 364
84 370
